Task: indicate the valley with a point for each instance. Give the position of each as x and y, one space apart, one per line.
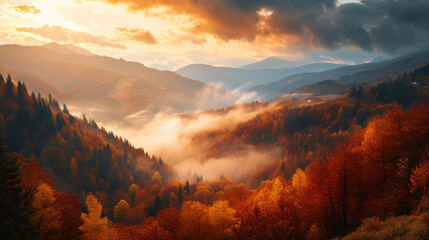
214 120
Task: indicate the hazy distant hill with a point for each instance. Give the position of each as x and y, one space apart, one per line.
67 49
232 78
116 87
324 87
271 63
38 84
368 73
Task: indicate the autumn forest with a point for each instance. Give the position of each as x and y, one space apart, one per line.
297 120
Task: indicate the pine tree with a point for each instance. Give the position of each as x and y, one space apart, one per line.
65 110
9 87
155 207
15 210
21 93
180 194
187 186
2 83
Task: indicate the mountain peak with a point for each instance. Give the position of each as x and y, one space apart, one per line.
67 49
58 48
272 63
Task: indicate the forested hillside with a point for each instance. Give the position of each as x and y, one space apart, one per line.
367 73
358 159
115 87
80 157
304 131
374 173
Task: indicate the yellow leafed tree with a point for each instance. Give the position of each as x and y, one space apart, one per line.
121 210
299 181
46 217
94 226
222 218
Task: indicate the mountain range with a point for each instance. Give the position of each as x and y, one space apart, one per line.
368 73
124 92
272 63
106 88
247 76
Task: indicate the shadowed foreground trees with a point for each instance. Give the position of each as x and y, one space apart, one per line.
15 201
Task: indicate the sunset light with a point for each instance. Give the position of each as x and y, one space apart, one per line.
214 119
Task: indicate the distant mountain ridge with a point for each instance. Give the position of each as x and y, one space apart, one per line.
67 49
115 87
233 78
272 63
354 74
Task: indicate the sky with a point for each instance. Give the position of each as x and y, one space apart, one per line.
169 34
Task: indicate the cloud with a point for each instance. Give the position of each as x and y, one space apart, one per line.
84 37
315 23
60 34
185 37
27 9
136 34
55 33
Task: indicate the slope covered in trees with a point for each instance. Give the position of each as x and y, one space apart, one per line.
368 73
348 166
304 131
80 157
117 88
375 173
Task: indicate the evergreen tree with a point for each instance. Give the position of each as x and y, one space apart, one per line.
21 93
60 121
65 110
39 98
180 194
78 141
15 210
187 187
2 83
72 120
155 207
9 87
55 104
33 96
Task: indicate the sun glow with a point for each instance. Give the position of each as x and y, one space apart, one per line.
265 12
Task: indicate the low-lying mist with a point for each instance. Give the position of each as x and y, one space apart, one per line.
184 140
173 138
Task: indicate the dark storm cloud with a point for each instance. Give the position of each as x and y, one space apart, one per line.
371 24
384 24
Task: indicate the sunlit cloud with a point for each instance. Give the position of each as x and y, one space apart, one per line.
55 33
136 34
60 34
177 38
84 37
27 9
325 24
171 34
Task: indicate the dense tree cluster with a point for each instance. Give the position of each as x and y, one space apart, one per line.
377 172
80 157
306 132
352 164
